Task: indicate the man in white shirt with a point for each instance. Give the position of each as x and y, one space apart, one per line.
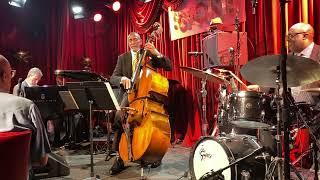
18 114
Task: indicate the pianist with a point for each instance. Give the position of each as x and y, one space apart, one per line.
33 77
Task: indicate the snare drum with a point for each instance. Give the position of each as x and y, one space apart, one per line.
249 109
213 154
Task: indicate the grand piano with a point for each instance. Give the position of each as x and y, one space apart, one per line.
51 107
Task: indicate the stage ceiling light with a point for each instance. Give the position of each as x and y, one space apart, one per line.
77 12
116 5
17 3
97 17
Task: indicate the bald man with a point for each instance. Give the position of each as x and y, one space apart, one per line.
300 40
18 114
121 77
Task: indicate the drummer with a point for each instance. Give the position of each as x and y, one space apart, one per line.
300 40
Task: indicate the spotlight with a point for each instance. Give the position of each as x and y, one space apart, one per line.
116 5
17 3
77 12
145 1
97 17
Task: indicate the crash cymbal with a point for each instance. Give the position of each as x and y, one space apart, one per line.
205 75
312 90
263 70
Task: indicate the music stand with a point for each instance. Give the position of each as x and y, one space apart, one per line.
89 96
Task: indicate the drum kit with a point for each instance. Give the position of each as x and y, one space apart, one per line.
233 156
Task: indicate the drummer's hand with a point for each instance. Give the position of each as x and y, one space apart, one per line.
253 87
126 82
153 50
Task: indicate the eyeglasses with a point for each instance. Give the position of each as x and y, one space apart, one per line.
291 36
13 73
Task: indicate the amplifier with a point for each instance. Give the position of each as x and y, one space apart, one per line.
219 49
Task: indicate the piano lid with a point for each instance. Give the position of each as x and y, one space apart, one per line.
80 75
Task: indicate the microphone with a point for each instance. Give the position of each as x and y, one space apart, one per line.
19 87
254 4
231 50
195 53
232 54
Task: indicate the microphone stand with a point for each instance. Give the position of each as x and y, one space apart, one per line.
218 173
203 91
283 70
204 123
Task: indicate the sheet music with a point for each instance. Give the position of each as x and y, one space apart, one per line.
113 97
68 100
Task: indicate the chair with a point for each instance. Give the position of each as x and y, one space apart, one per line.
14 155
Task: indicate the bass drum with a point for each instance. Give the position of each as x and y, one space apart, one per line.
213 154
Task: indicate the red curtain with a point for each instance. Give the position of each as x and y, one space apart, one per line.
55 40
80 38
263 30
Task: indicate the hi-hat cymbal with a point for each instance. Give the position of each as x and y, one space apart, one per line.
263 70
205 75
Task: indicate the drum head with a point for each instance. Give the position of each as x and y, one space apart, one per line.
208 154
241 123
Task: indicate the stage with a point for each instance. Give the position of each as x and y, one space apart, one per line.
174 166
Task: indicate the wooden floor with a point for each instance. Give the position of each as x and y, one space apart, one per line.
174 166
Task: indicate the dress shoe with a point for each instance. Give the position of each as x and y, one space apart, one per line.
117 166
156 164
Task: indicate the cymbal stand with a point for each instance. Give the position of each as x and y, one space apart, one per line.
204 123
222 106
279 160
315 144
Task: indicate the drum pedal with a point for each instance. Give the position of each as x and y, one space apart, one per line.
245 175
264 156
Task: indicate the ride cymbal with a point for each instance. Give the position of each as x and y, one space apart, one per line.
263 70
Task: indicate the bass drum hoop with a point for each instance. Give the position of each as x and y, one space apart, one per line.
230 173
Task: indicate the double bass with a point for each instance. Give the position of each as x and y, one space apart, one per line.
146 134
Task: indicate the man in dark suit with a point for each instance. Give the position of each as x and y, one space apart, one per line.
300 39
33 77
121 77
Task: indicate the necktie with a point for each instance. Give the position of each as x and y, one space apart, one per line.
134 61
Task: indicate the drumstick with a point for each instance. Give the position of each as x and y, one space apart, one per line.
233 75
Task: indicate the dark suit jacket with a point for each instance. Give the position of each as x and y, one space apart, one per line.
124 66
315 55
22 89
